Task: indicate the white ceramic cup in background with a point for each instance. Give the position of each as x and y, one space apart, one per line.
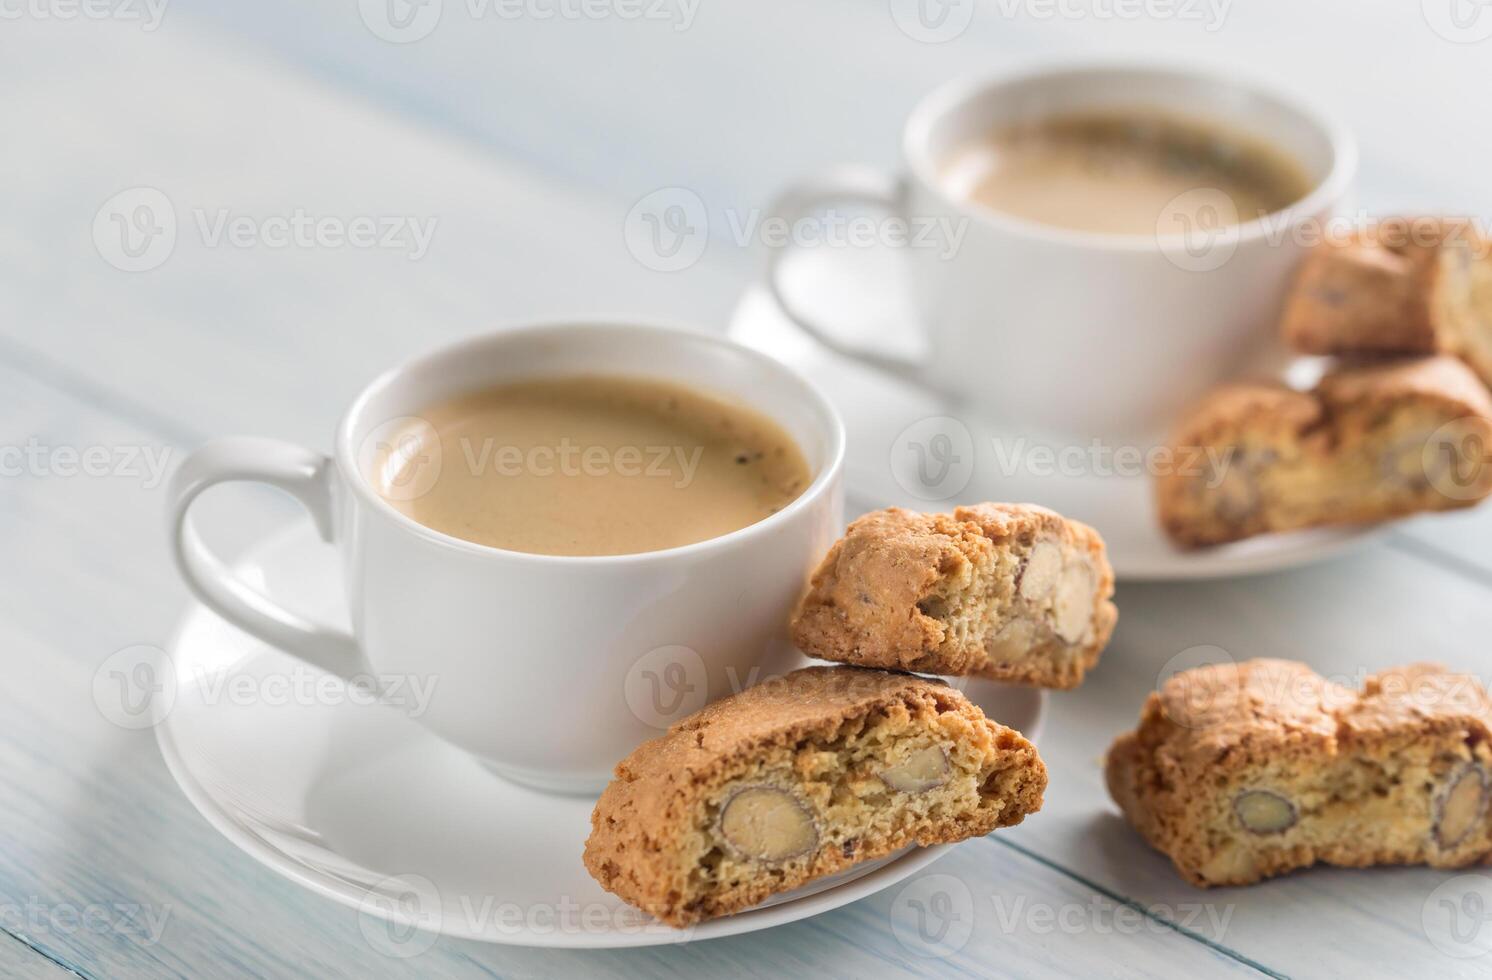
1072 332
548 668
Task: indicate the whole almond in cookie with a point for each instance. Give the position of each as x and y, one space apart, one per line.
1009 591
798 778
1240 772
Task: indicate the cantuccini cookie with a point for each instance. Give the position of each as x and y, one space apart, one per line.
1403 286
1008 591
1370 443
1240 772
800 777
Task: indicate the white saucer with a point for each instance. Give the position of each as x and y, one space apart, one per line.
357 802
892 425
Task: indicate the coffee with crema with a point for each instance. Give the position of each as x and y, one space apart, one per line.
593 465
1138 172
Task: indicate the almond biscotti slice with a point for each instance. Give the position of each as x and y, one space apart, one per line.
1370 443
1009 591
1240 772
1403 286
800 777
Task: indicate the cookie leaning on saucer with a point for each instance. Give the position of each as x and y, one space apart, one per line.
1403 286
1240 772
1370 443
1009 591
800 777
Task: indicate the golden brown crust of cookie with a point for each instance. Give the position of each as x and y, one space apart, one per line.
640 822
1442 380
1222 412
1403 286
865 601
1256 425
1206 726
1439 380
1361 296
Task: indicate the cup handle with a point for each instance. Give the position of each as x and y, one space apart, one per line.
848 184
305 475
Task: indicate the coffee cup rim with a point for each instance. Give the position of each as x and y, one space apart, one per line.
957 91
824 479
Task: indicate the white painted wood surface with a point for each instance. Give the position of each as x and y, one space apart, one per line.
529 141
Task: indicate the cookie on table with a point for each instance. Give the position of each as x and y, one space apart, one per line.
1009 591
1404 286
1370 443
1240 772
798 778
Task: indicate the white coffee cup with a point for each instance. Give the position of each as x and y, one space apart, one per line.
1072 332
548 668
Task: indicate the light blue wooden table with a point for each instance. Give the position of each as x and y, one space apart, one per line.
529 140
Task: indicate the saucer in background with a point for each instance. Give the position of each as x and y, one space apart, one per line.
910 447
